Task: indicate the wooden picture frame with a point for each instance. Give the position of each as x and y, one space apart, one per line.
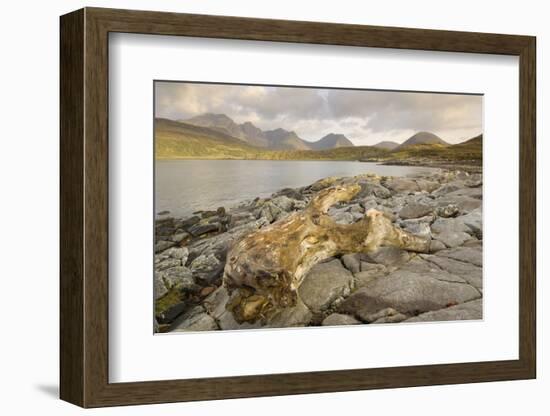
84 207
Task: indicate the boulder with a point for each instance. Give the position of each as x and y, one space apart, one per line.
448 224
447 188
219 244
467 271
179 277
367 266
472 192
420 265
436 245
216 301
402 185
163 245
201 229
474 221
420 226
385 316
167 263
339 319
179 237
215 306
241 218
270 212
473 255
290 193
194 320
465 311
323 284
392 319
207 269
427 185
352 262
159 287
388 256
369 272
180 253
189 222
464 203
473 183
298 315
171 312
409 293
414 210
324 183
283 202
447 211
453 239
373 189
450 231
227 322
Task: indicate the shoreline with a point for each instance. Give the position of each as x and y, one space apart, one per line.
443 164
270 177
190 255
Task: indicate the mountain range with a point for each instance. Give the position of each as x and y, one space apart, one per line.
278 139
216 136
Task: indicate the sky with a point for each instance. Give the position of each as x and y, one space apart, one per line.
366 117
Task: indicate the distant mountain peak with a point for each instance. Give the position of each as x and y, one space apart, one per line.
247 132
213 116
280 133
422 137
210 120
276 139
332 141
280 130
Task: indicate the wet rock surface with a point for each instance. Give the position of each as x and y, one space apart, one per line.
387 286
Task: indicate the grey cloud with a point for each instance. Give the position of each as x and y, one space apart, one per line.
387 110
364 116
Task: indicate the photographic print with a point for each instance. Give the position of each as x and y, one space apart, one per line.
286 206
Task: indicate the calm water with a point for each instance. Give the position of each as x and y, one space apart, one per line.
185 186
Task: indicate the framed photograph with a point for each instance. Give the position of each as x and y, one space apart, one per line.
255 207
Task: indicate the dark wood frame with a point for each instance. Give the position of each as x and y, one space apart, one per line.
84 207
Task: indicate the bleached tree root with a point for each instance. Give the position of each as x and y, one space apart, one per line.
265 269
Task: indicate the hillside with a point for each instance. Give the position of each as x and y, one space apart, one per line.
281 139
331 141
387 145
341 153
421 138
470 151
177 140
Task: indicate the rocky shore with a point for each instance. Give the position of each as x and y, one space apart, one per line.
470 166
389 285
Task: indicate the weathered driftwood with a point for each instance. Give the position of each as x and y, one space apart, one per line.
265 269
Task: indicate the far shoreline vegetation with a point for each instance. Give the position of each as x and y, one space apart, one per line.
181 140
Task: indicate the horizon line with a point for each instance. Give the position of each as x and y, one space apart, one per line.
183 121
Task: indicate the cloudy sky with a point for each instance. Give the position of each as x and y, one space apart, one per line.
365 117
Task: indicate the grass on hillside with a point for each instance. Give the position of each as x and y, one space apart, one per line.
469 150
175 140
